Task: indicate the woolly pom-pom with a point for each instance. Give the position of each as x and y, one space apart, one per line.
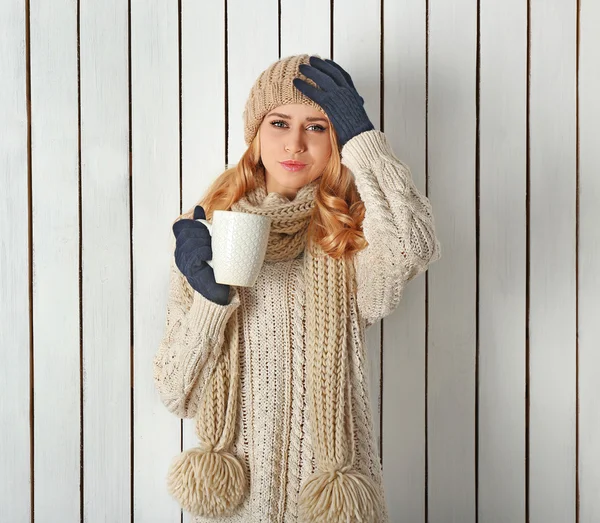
207 483
342 496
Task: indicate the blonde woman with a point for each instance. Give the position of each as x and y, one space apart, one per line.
274 374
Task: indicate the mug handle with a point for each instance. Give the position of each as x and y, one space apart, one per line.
209 227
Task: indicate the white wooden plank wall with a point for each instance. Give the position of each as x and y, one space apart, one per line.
452 296
54 210
155 197
552 262
15 277
105 258
116 116
502 261
588 255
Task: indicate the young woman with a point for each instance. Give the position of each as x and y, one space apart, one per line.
275 374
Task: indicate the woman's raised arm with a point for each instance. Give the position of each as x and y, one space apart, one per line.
398 225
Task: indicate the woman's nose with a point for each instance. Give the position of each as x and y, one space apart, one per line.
294 146
295 141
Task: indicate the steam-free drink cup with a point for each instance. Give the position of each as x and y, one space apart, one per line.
239 245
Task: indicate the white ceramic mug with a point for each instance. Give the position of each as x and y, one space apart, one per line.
239 245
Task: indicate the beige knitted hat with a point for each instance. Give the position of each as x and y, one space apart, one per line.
273 88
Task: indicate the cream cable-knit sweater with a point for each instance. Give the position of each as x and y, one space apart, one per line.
273 434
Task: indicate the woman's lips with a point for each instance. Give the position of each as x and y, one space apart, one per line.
293 166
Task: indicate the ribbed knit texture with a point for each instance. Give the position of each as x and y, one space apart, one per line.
274 439
274 87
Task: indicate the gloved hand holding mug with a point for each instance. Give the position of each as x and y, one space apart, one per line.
193 248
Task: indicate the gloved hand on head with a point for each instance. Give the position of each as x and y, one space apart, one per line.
337 95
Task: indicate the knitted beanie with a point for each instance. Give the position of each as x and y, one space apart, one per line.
274 87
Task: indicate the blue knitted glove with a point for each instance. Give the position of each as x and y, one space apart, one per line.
336 95
193 248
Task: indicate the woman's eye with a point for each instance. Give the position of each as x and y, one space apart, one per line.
319 128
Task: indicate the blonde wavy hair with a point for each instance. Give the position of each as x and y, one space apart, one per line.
336 221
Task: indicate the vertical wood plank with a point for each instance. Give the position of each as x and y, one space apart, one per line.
55 222
243 65
155 164
502 299
105 236
552 267
15 496
404 122
589 254
203 117
452 305
305 28
202 98
356 47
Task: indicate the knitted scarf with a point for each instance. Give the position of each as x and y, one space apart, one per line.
210 481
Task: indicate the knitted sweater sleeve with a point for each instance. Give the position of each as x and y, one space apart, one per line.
193 336
398 225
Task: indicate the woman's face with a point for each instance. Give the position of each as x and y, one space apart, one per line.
293 132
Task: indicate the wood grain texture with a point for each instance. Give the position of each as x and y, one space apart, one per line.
589 254
452 281
552 262
55 222
15 422
202 97
106 239
502 261
156 203
404 354
305 28
260 20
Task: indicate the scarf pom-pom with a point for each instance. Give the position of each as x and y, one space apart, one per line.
338 496
207 483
